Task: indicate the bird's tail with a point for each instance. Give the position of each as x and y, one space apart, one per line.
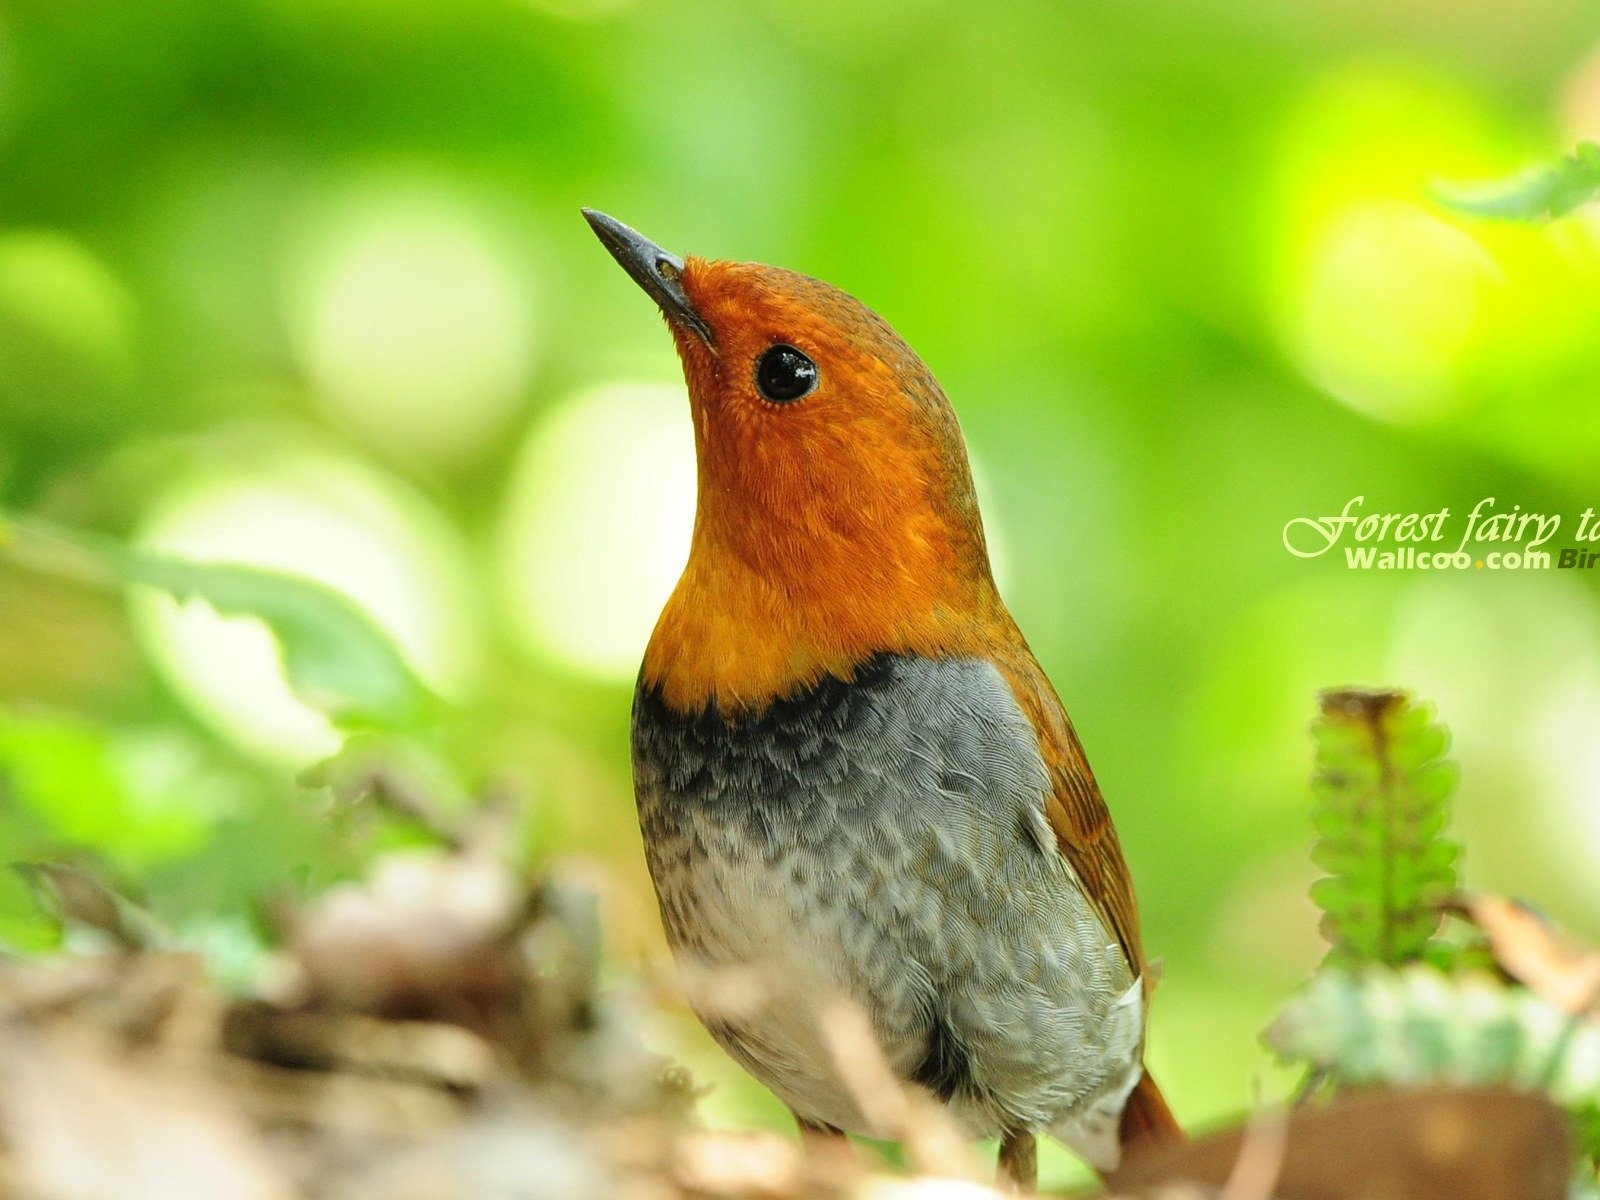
1146 1117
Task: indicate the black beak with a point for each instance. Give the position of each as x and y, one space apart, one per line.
654 269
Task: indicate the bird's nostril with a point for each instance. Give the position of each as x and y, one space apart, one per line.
667 269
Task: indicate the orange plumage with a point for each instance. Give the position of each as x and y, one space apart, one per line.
838 537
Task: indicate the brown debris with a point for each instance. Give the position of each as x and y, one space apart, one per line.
1426 1144
436 1032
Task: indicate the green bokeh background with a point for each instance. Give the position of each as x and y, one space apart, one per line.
1176 263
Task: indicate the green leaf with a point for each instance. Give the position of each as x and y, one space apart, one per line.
1381 807
1552 190
333 655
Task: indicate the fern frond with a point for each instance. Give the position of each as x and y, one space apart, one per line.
1381 791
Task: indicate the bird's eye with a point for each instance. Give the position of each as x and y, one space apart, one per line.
784 374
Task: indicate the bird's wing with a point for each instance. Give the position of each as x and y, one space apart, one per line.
1075 809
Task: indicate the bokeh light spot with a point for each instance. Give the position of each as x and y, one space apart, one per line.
1379 298
322 518
1562 750
55 287
408 311
597 523
1468 645
1389 306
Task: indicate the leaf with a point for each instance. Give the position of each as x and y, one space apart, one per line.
1552 190
1382 791
1535 955
334 656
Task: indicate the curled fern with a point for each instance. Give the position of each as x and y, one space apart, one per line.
1381 790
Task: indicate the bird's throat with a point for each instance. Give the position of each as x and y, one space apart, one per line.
711 646
742 636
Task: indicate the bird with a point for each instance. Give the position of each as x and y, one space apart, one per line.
854 780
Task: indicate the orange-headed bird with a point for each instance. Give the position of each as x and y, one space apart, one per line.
853 777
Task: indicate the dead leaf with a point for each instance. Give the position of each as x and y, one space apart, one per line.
1536 955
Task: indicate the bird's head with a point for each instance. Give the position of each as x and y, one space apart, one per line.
836 516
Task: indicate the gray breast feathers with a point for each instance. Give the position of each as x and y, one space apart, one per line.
883 839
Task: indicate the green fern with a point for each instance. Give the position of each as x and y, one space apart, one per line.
1381 789
1395 1004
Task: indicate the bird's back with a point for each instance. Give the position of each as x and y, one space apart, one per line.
884 839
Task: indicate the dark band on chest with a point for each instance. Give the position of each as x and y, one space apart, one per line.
707 754
829 697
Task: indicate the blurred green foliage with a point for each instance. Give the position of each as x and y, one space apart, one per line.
302 285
